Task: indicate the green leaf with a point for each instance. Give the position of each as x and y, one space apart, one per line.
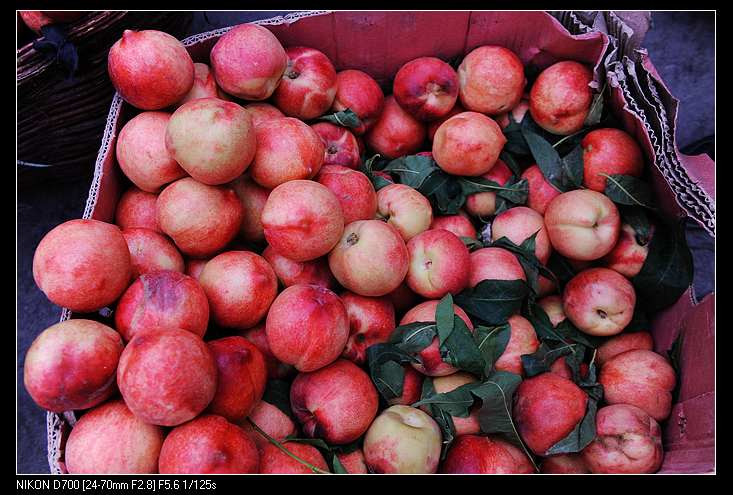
460 350
572 165
444 318
367 168
412 170
491 342
344 118
510 162
540 361
628 190
515 192
581 436
493 301
638 220
441 417
414 337
543 327
596 109
495 414
338 468
546 157
457 402
385 368
471 243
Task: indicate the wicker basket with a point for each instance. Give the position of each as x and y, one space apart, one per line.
60 120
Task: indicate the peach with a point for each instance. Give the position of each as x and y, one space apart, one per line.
337 402
547 407
403 440
522 340
160 300
211 139
167 377
371 258
353 462
287 150
560 98
151 251
275 461
241 377
240 286
641 378
582 224
204 85
459 224
371 321
494 264
439 264
303 220
275 369
142 154
491 80
483 204
516 114
519 224
360 93
353 189
561 367
150 69
271 420
71 365
609 152
83 265
433 125
291 272
552 305
599 301
404 208
109 439
622 343
308 86
263 112
444 384
248 62
468 143
253 198
473 454
426 87
208 445
541 191
201 219
411 388
432 363
564 464
629 254
307 326
136 208
628 441
402 298
340 144
396 133
194 267
546 286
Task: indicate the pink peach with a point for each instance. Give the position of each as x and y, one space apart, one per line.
519 224
433 125
609 152
404 208
494 264
263 112
396 133
439 264
468 143
340 144
483 204
151 251
541 192
522 340
622 343
276 370
360 93
271 420
204 85
564 464
411 388
353 462
552 305
371 321
308 86
253 198
459 224
275 461
354 190
426 87
291 272
629 254
560 98
136 208
473 454
491 80
444 384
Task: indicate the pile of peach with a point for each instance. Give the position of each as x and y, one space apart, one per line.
251 247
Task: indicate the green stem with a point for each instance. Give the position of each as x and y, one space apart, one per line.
286 451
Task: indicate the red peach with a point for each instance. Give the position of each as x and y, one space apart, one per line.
291 272
403 298
71 365
253 198
459 224
276 370
552 305
371 321
353 462
396 133
275 461
560 98
167 377
564 464
411 388
271 420
426 87
371 258
161 300
622 343
150 69
83 265
516 114
142 154
609 152
109 439
404 208
444 384
136 208
468 144
491 80
263 112
541 192
204 85
360 93
473 454
561 367
151 251
519 224
194 267
340 144
248 62
433 126
494 264
628 255
353 189
307 326
308 86
208 445
439 264
483 204
522 340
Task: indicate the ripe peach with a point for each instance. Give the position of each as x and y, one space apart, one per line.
167 377
483 204
136 208
552 305
396 133
161 300
337 402
564 464
353 462
287 149
248 62
109 439
271 420
371 258
582 224
560 98
142 154
253 198
340 144
599 301
307 326
83 265
622 343
308 86
275 461
628 255
194 267
426 87
200 219
628 441
459 225
204 85
516 114
547 407
522 340
561 367
291 272
209 444
240 286
519 224
276 370
211 139
444 384
468 144
371 321
411 388
360 93
541 192
403 440
473 454
494 264
151 251
150 69
609 152
353 189
491 80
71 365
433 125
262 112
439 264
405 209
